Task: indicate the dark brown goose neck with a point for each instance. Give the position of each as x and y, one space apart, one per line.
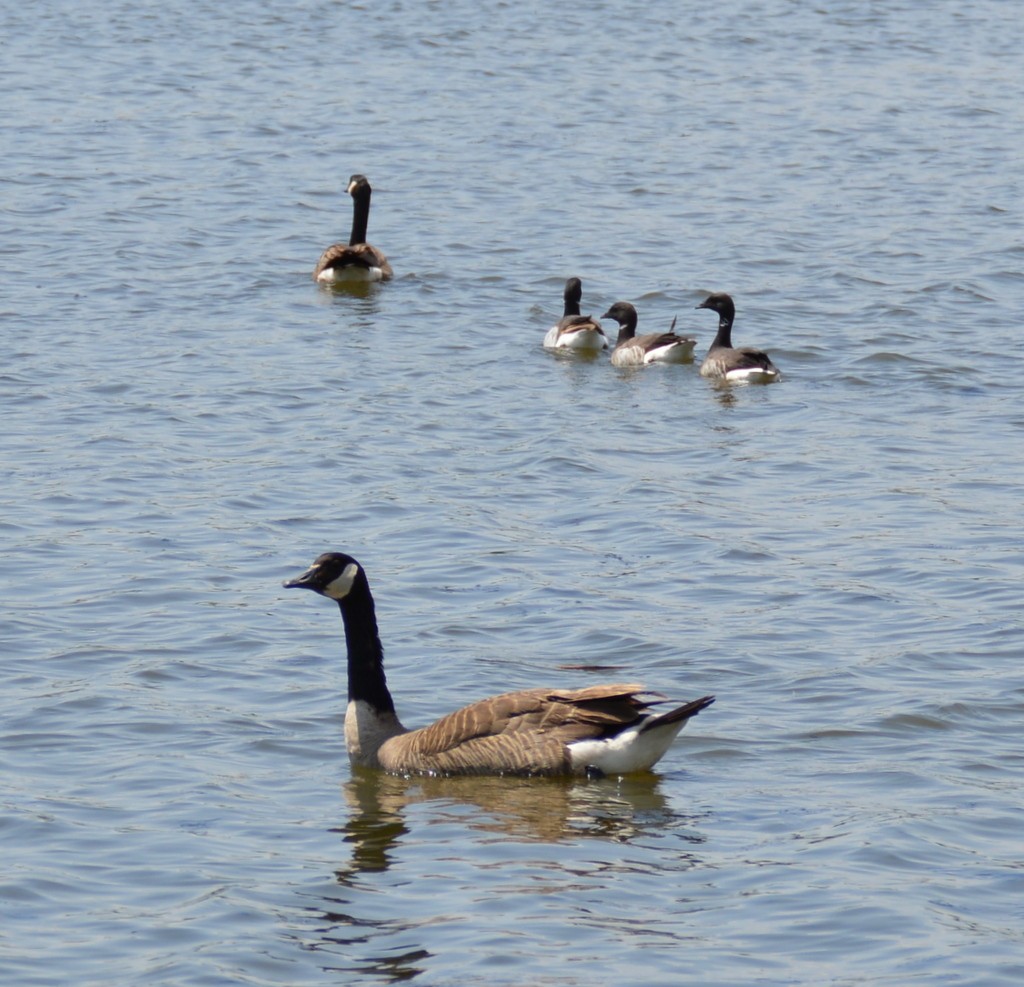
366 679
360 214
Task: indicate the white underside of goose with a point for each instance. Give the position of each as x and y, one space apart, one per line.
738 375
631 750
719 370
673 353
351 274
579 339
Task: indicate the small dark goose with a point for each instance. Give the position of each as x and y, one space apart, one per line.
632 350
575 331
726 362
356 260
609 729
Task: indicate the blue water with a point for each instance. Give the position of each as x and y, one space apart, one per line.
189 420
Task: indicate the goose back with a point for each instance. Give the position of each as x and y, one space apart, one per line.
526 732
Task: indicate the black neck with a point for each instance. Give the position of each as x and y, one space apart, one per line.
366 679
724 335
572 307
627 330
360 217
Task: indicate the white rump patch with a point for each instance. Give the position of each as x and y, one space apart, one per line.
551 338
673 353
353 273
580 339
628 751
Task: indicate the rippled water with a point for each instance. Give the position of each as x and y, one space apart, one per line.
189 420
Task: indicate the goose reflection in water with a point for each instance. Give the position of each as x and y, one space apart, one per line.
546 810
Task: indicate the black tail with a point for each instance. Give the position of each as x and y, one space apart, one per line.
683 712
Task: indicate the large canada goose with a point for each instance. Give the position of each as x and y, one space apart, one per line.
632 350
726 362
575 331
602 729
356 260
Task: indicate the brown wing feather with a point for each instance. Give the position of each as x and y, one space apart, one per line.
515 733
747 356
654 340
577 323
624 690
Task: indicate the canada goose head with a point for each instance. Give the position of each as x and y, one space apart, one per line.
359 187
333 575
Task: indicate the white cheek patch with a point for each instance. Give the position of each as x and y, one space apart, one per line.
339 587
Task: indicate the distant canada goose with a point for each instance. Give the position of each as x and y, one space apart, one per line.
607 729
725 362
575 331
356 260
632 350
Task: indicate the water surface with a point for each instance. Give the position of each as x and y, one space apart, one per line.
189 420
